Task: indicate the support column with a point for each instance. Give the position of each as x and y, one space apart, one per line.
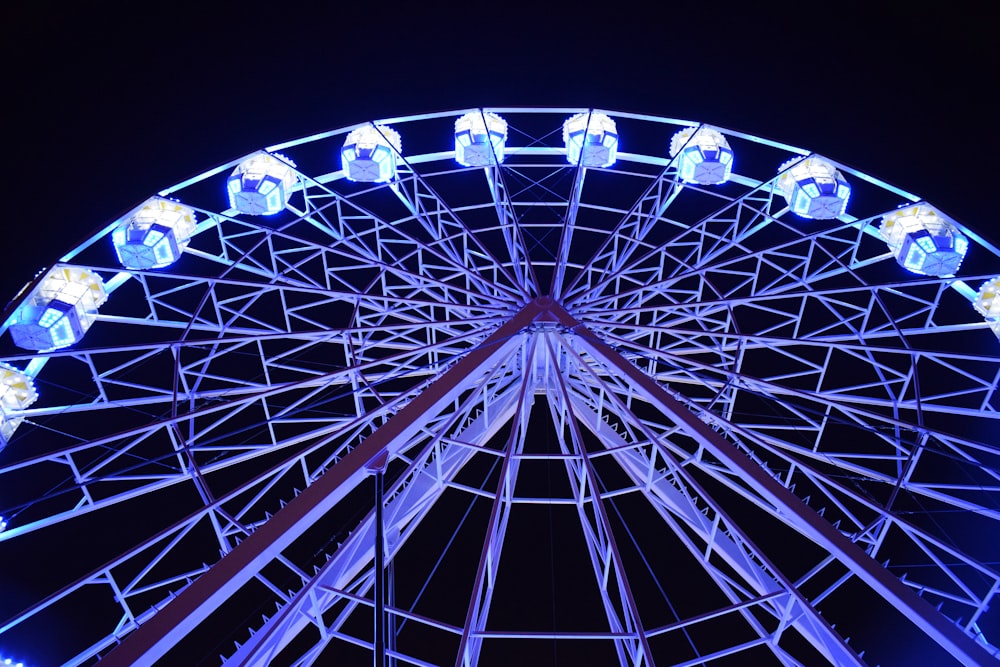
156 637
378 465
796 513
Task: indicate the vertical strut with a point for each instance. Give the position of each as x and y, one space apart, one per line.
379 466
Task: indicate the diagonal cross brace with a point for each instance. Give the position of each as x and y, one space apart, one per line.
156 637
800 516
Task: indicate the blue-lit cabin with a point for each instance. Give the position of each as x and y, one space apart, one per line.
369 154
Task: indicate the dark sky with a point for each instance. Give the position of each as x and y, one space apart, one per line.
105 106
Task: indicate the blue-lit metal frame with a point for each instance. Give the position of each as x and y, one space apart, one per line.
691 337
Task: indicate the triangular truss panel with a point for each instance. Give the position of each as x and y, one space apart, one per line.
551 403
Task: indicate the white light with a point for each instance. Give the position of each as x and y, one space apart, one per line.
262 184
17 392
703 156
59 310
591 139
154 235
961 244
923 240
814 188
480 139
988 303
369 154
995 326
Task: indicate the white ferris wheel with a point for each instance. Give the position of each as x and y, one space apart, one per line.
630 390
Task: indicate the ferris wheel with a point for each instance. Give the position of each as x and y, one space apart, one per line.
628 389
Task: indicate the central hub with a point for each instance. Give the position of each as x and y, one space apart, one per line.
549 356
548 309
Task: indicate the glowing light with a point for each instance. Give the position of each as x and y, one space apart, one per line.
369 154
262 184
703 156
480 138
814 188
591 139
923 240
59 310
988 299
153 235
988 303
17 392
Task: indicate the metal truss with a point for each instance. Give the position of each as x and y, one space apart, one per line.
617 418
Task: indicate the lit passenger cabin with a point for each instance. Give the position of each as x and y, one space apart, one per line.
153 235
924 241
369 154
591 140
480 139
703 156
17 392
814 188
988 303
59 310
262 184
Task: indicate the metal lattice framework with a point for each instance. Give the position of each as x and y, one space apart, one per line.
734 430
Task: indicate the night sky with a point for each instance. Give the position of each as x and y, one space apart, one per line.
103 107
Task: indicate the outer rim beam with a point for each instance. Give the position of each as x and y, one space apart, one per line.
152 640
920 612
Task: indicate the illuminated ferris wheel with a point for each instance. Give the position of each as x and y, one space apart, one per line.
630 390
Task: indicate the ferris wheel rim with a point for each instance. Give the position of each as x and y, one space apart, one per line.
619 308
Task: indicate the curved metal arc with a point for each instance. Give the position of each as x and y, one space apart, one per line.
915 608
241 455
781 449
244 396
411 498
643 221
673 497
750 341
158 635
856 407
589 295
414 204
420 214
685 267
707 243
